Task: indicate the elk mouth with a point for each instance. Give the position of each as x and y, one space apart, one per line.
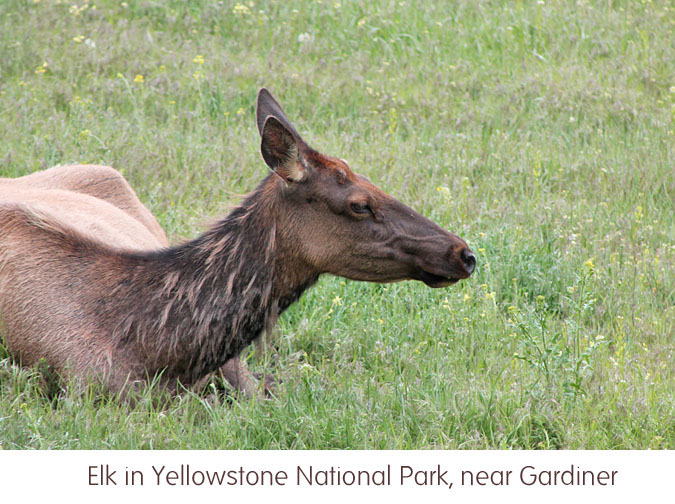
436 281
460 267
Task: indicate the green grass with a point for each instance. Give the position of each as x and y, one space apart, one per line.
541 132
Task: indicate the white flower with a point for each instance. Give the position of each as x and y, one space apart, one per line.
304 37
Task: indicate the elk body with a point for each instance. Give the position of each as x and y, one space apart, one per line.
89 284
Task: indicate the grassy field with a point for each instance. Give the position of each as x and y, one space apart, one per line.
541 132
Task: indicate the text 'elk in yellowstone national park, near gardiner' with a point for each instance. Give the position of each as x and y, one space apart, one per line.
89 284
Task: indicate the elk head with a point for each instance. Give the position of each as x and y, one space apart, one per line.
338 222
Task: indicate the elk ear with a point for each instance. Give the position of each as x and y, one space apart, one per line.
268 106
279 149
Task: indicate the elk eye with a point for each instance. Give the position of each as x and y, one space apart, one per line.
360 208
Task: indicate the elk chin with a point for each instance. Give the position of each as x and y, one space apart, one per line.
437 281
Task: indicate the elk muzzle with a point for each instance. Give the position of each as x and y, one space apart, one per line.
444 269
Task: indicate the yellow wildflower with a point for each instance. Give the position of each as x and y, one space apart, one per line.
639 213
240 9
42 68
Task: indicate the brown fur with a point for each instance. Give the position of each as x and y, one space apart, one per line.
98 201
88 283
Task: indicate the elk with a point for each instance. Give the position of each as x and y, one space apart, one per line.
89 284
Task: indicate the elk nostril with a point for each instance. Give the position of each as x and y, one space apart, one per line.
469 260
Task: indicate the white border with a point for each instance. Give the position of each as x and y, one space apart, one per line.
638 475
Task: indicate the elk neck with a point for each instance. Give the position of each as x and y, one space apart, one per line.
200 303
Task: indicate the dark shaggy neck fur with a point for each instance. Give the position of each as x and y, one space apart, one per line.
203 302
